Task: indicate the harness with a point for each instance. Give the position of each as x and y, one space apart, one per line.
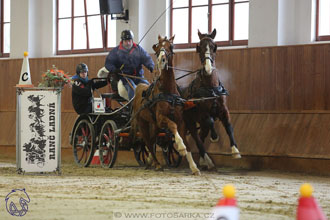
210 92
197 91
172 99
203 93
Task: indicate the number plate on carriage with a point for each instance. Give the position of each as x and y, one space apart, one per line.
98 105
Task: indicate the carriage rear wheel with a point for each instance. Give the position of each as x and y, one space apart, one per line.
108 146
170 154
141 153
83 143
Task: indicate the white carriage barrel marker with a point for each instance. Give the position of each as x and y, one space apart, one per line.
25 77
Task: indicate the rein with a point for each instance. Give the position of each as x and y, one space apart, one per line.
130 76
156 21
180 77
188 72
202 60
202 99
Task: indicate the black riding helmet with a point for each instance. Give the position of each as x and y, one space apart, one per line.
127 35
81 67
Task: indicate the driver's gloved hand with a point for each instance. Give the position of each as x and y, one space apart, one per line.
113 79
116 71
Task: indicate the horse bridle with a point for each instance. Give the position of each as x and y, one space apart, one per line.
167 54
212 42
207 58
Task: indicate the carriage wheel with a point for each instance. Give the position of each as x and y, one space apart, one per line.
83 143
141 153
108 146
171 155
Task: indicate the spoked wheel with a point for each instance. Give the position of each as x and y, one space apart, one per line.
83 143
141 153
108 146
171 155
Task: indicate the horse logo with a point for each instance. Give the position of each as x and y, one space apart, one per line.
17 202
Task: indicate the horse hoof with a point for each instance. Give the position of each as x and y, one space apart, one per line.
149 160
236 156
212 168
206 167
214 140
159 168
202 162
196 173
235 153
203 168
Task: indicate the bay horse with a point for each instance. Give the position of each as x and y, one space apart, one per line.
159 106
208 86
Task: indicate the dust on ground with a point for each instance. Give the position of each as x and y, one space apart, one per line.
131 192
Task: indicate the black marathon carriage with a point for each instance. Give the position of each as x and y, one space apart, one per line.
109 132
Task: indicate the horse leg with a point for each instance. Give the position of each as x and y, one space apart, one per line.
161 119
149 137
153 159
180 142
206 126
204 159
192 164
214 136
225 119
234 151
204 130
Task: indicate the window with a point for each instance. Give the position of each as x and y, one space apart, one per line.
82 29
5 28
322 20
229 17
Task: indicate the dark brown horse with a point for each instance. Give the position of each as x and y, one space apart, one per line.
207 86
159 106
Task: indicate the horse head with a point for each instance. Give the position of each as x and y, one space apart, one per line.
207 50
164 51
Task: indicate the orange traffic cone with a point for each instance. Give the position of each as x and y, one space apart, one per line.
226 207
308 208
96 158
25 78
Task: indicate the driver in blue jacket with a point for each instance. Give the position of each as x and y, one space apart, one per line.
128 58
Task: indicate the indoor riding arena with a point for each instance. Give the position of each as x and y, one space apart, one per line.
272 58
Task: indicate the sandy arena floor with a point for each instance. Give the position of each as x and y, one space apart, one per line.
131 192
